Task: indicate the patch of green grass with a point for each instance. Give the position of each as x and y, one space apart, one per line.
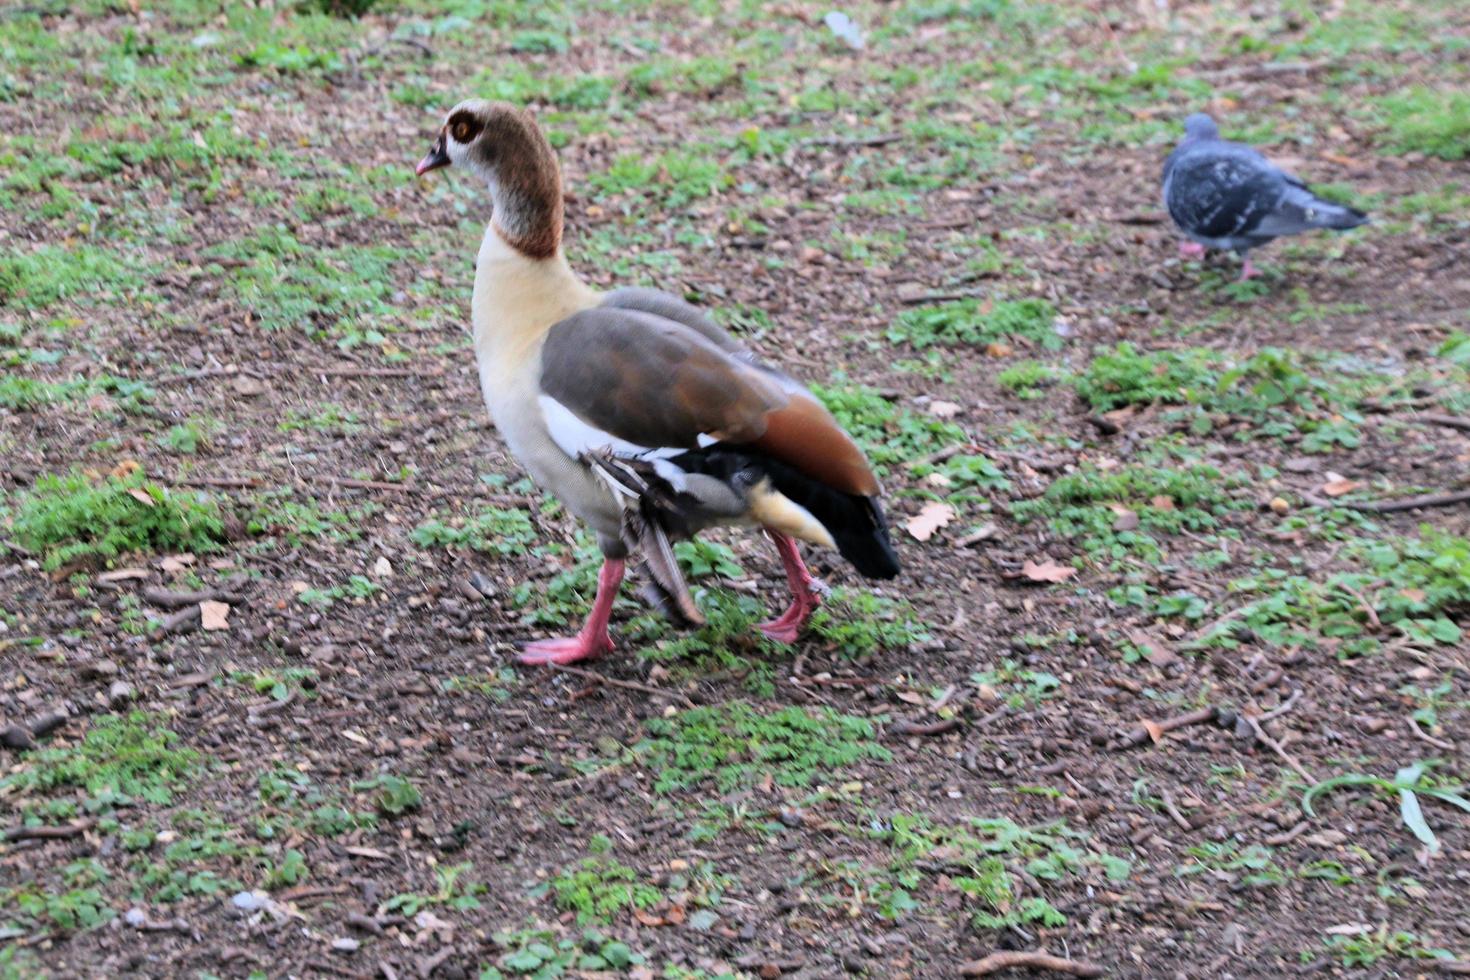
1127 376
889 434
121 759
1372 948
279 684
494 530
666 180
279 514
1120 513
392 795
77 909
90 274
1429 121
451 892
1021 688
975 323
357 588
975 855
735 746
74 518
18 392
597 888
1028 380
858 623
1254 865
1417 587
539 954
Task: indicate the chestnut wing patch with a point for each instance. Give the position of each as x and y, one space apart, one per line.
651 381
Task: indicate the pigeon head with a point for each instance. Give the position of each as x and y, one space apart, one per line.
1200 127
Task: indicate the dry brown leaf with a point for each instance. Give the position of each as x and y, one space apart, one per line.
247 386
1124 518
126 468
1155 732
943 410
1047 571
142 496
648 918
930 518
1336 488
123 574
173 564
1162 502
1413 595
997 349
214 615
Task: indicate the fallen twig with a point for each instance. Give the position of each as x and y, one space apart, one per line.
1173 812
219 482
901 728
1421 733
373 485
593 675
1287 836
1283 707
50 833
1140 735
182 621
1393 506
1275 747
1266 68
1030 959
1448 421
883 139
1104 426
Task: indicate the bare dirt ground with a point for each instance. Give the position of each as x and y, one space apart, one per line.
232 317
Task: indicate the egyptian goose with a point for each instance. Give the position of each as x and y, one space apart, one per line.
648 421
1226 195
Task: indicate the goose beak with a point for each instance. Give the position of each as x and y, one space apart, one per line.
435 158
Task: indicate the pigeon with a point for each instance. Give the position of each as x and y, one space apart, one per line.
1226 195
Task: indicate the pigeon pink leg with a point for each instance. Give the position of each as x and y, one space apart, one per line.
804 601
1247 270
1191 250
593 640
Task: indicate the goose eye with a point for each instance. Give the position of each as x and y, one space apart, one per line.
461 132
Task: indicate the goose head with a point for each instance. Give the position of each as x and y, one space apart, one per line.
503 146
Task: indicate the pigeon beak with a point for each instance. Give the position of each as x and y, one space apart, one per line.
435 158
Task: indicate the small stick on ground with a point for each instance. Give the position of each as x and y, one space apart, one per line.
932 728
1283 707
1421 733
1173 812
1275 747
1032 959
1393 506
1448 421
1287 836
50 833
1140 735
593 675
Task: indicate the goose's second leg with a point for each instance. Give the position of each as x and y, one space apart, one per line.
1191 250
804 598
592 640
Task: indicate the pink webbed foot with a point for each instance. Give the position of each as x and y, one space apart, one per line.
565 650
804 601
593 640
1191 250
788 626
1248 271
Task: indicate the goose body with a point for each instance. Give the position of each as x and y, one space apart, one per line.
648 421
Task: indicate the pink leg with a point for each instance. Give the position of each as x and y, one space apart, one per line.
593 640
1248 271
804 601
1191 250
